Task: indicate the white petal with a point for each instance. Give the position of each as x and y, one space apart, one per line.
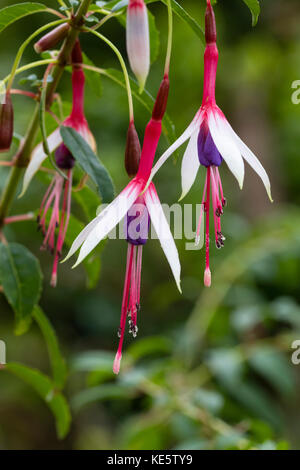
82 237
195 124
109 218
190 165
38 156
226 146
163 231
252 160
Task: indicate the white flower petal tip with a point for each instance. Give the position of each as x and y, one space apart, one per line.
226 145
163 232
207 277
37 158
117 363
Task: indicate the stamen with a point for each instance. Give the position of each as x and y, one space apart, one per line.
197 239
117 361
207 204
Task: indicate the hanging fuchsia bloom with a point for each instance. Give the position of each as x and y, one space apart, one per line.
137 207
57 200
211 140
137 40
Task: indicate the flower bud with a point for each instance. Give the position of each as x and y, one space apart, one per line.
77 53
137 40
6 124
132 152
207 277
50 40
160 104
210 25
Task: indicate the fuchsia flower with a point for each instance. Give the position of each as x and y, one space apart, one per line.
137 206
211 139
57 199
137 40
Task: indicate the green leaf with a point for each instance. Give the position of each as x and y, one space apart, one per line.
9 15
89 162
57 361
149 346
21 279
254 7
273 366
88 200
101 393
93 360
45 388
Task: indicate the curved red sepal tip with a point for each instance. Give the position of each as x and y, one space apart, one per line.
210 25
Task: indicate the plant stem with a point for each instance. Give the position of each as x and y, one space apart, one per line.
24 152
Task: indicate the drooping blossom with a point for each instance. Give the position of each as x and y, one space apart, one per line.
212 140
138 207
56 205
137 40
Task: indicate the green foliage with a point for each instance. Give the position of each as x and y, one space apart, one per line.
21 279
12 13
89 162
254 7
46 389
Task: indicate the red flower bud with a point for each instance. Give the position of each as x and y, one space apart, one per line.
6 124
161 100
50 40
210 25
132 152
77 53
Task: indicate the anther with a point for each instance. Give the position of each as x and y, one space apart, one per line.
119 332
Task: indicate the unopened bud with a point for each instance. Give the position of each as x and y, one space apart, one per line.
132 152
137 40
50 40
6 123
210 25
161 100
77 53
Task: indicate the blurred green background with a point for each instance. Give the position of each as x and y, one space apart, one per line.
210 369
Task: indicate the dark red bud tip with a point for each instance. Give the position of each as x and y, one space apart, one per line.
77 53
50 40
161 100
210 25
132 152
6 124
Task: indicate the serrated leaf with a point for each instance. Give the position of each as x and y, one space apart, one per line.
21 279
89 162
12 13
254 7
45 388
58 364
